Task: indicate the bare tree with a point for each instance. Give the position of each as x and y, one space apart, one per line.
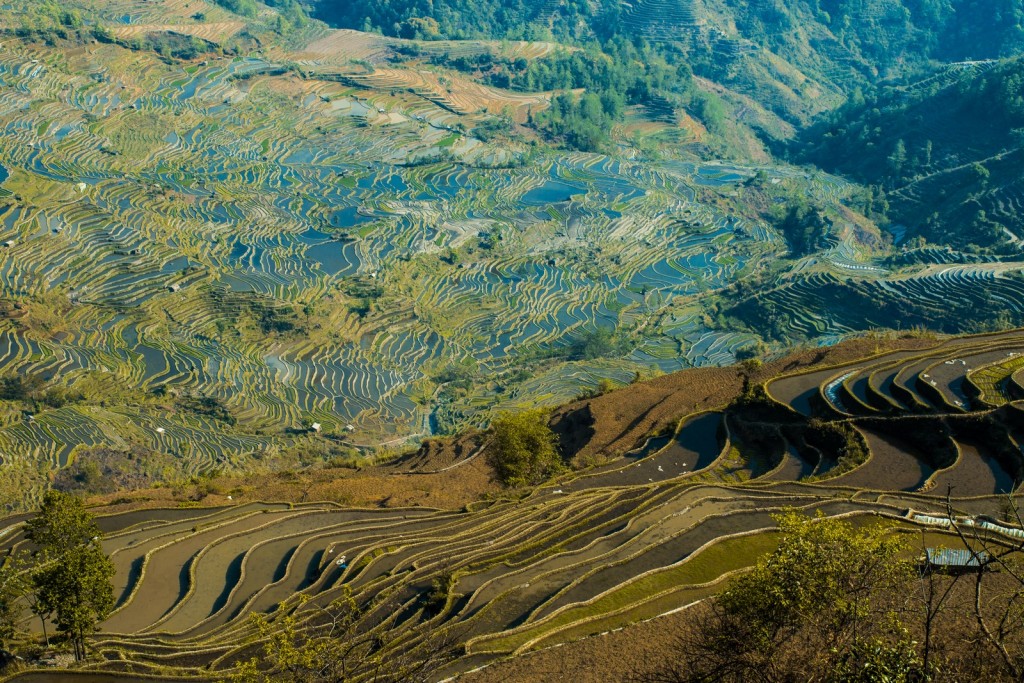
303 643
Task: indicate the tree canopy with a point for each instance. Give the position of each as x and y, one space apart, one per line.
73 575
524 452
829 588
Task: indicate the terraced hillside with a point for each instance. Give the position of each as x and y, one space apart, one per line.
297 236
218 233
879 438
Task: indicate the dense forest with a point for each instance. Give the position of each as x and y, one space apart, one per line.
888 33
797 58
947 154
617 75
883 30
459 19
874 36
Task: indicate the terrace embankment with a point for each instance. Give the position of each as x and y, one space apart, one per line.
675 484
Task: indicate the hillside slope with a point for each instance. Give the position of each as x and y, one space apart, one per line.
673 487
948 151
799 57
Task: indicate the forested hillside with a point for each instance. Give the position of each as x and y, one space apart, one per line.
837 42
886 32
947 152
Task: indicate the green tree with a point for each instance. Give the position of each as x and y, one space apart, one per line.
12 588
524 452
825 605
594 344
73 574
898 158
802 225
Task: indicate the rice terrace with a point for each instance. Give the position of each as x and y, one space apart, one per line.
505 341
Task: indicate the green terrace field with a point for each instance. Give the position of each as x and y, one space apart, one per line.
226 228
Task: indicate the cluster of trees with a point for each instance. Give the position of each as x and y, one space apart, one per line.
292 10
947 148
171 45
615 67
803 225
886 32
614 75
843 603
891 38
210 406
48 15
583 122
66 578
34 391
630 70
461 19
598 344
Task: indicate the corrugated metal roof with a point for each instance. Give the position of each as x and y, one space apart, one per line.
948 557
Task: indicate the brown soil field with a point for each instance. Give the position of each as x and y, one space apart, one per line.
674 550
164 578
457 93
622 419
909 376
128 548
303 563
144 519
601 659
798 391
792 467
695 447
220 558
974 474
343 45
1015 387
949 374
891 466
176 11
858 387
882 381
265 564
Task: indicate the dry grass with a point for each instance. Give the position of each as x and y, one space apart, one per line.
214 32
414 480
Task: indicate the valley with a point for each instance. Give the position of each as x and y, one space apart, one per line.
639 535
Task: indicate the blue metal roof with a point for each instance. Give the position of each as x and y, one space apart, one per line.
962 557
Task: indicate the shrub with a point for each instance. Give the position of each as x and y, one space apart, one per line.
524 453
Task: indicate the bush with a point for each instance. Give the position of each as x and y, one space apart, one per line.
15 387
524 453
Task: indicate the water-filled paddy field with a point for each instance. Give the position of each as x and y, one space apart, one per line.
297 249
169 207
